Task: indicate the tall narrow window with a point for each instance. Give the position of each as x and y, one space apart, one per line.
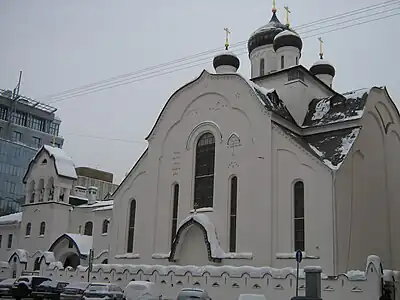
175 212
262 66
233 213
42 230
299 216
28 229
88 228
131 226
297 60
104 230
204 173
10 240
282 62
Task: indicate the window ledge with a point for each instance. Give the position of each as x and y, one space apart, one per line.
160 256
292 255
104 234
27 236
41 236
127 255
238 255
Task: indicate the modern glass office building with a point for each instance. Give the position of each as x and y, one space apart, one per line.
25 126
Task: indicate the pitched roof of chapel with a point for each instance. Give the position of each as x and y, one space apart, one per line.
63 163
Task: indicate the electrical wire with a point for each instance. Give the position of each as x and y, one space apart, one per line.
95 85
201 61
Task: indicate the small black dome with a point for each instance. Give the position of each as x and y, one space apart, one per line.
226 59
287 38
265 35
322 67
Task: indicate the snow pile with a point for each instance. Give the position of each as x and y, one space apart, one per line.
347 143
48 257
321 109
83 242
64 164
356 93
11 219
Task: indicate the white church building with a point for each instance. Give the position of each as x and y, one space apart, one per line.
238 172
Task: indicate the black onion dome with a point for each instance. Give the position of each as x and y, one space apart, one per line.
265 35
287 38
322 67
226 59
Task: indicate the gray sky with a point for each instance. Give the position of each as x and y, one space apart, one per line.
61 45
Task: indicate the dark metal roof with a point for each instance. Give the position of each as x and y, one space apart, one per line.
265 35
336 108
323 68
287 38
273 103
330 148
226 59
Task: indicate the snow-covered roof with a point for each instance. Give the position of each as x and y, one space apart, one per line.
83 242
286 32
11 219
63 163
104 208
97 204
22 255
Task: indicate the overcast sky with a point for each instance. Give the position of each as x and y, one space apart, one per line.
61 45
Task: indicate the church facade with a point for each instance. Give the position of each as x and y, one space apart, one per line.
237 172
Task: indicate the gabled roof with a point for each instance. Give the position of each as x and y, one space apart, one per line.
82 243
63 163
336 108
11 219
331 147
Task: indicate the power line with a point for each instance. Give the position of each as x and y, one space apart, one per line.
105 138
201 61
323 20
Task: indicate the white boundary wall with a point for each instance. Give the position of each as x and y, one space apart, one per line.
228 282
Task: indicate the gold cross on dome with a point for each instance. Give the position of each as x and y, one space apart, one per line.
195 206
227 33
321 50
53 142
287 14
274 6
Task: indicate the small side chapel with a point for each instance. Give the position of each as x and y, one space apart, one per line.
247 171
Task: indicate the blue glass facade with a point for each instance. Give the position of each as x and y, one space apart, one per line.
14 161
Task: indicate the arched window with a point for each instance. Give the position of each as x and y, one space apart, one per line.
32 192
282 62
204 173
131 226
88 228
297 60
175 204
233 213
106 222
36 266
28 229
42 228
298 191
262 66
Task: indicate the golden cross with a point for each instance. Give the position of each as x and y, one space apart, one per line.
53 142
195 206
287 14
321 52
227 33
274 6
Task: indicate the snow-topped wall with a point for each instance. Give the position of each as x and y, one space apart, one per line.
228 282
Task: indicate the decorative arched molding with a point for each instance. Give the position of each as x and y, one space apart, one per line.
212 257
70 239
203 127
21 255
233 140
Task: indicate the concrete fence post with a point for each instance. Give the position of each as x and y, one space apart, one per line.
313 282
